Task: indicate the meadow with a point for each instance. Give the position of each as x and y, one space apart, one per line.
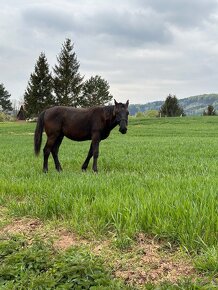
160 179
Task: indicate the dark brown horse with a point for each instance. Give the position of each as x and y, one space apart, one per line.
78 124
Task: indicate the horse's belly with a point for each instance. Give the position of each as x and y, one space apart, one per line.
76 131
78 137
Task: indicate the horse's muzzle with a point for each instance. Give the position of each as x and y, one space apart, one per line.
123 130
123 126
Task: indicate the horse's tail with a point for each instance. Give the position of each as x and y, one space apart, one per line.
38 133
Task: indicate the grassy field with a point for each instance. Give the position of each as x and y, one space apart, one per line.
160 179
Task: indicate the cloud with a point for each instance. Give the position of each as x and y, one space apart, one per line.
184 13
145 49
122 27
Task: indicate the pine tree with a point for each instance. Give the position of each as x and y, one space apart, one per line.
210 111
95 92
5 102
38 95
67 80
171 107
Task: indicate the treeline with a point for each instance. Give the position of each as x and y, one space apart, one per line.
171 107
64 86
195 105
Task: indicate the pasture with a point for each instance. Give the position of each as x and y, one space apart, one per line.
159 180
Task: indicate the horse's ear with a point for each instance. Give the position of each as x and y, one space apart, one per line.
114 111
127 103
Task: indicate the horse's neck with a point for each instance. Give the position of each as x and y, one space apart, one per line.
110 118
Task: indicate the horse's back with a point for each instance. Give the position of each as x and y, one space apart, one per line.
75 123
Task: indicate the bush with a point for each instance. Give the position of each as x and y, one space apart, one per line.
5 118
151 113
140 115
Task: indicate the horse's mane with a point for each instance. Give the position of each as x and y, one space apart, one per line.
108 110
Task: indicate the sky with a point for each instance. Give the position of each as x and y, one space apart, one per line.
145 49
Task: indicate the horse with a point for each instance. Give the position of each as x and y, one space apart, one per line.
78 124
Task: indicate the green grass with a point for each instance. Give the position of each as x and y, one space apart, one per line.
161 178
39 266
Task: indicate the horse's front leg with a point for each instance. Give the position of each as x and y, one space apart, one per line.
95 150
89 156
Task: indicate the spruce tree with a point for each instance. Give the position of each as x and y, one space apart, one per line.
5 102
210 111
171 107
38 95
67 80
95 92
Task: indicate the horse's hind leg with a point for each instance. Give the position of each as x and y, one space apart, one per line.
47 150
89 156
54 152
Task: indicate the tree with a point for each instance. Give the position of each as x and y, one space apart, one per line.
21 114
171 107
95 92
5 102
210 111
67 80
38 95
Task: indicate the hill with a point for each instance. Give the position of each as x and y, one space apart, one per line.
194 105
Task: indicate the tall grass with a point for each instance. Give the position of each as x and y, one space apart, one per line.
160 178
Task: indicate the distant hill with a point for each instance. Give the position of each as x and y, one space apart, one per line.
194 105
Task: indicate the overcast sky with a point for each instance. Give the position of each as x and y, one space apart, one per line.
145 49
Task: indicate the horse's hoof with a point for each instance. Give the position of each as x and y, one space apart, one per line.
84 169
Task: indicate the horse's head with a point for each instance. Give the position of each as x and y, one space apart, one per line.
121 113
